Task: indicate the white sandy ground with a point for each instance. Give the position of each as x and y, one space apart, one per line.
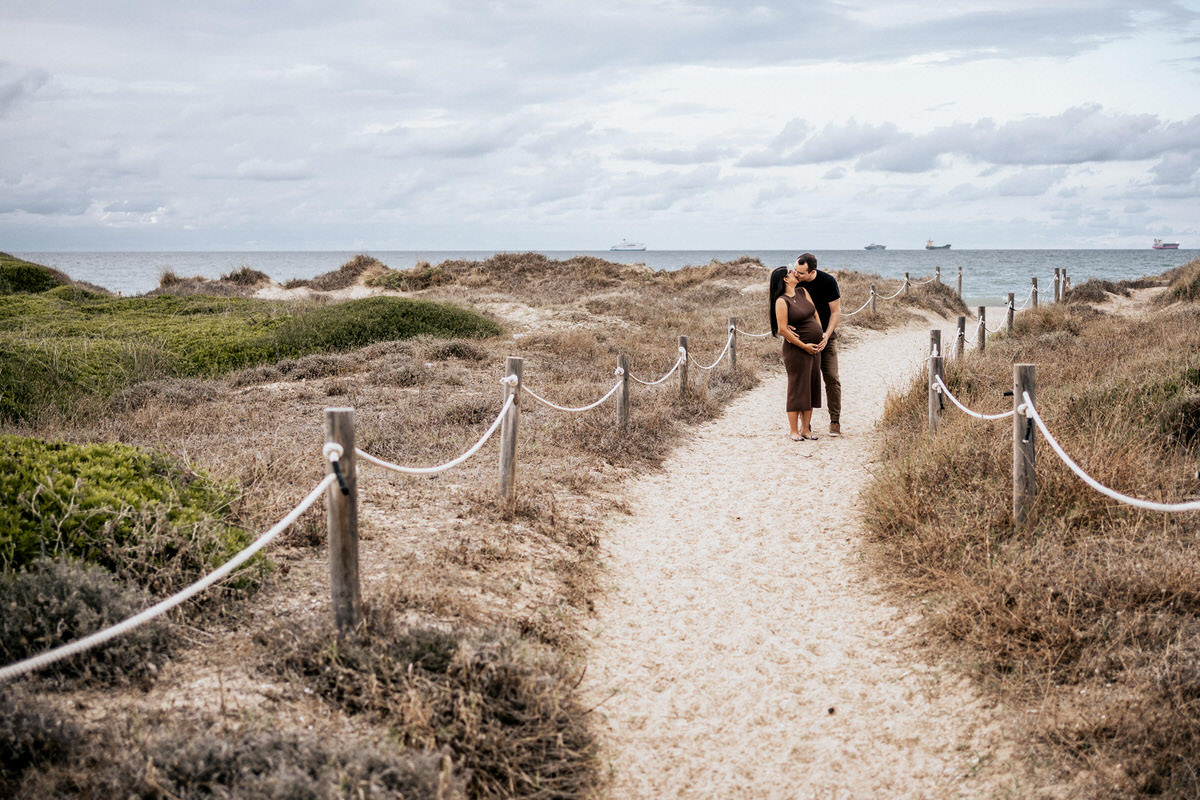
743 650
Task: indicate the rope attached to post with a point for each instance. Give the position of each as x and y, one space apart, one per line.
1028 410
678 361
945 390
379 462
99 637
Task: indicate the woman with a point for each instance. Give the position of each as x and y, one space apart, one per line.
794 317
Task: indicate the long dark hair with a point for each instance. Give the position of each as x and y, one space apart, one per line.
778 287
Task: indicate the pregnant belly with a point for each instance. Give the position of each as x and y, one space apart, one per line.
810 331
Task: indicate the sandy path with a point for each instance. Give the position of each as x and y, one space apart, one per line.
742 650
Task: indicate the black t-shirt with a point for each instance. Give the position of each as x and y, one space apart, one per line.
823 290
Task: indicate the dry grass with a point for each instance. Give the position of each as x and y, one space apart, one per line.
1088 617
442 553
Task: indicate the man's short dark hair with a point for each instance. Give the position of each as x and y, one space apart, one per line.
810 259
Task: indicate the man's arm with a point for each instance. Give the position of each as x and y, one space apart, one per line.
835 316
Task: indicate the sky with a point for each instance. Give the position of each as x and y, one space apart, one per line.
565 125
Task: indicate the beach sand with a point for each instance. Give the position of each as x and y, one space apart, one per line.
742 648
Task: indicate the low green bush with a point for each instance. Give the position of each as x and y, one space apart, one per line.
134 513
55 350
17 276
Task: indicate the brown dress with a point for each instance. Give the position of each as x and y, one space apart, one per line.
803 369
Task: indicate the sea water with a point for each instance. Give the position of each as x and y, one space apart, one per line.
987 275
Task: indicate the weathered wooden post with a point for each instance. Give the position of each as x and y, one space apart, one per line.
872 298
1024 452
1033 293
906 284
935 341
733 321
1057 285
936 367
623 393
960 341
341 514
1012 308
683 365
982 327
1066 283
960 283
937 274
513 366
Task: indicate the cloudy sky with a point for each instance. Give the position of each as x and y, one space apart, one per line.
557 124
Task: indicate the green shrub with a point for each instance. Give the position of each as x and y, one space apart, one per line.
55 351
17 276
54 602
134 513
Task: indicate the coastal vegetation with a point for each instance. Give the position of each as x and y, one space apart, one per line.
68 349
461 680
1086 617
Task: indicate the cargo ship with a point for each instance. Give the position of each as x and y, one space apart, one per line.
875 247
929 245
1159 244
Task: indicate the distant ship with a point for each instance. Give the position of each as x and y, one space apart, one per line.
929 245
624 245
875 247
1159 244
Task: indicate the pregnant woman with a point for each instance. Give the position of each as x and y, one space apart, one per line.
794 317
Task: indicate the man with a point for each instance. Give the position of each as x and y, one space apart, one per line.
823 289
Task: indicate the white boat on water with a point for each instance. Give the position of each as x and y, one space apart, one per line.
873 246
624 245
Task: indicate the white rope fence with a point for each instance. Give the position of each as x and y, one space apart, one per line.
897 294
921 283
752 335
945 390
728 341
1025 303
1029 411
678 361
974 336
111 632
860 308
588 407
998 327
379 462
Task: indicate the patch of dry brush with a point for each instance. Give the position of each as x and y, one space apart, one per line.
1088 617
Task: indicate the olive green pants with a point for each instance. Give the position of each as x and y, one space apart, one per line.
829 374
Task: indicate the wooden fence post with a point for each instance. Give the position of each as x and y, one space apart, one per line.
1024 452
1033 293
1057 285
960 283
982 327
906 284
872 298
936 367
733 321
937 274
1012 309
623 393
683 365
1066 283
341 514
513 366
960 341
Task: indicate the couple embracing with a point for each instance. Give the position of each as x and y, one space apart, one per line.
805 308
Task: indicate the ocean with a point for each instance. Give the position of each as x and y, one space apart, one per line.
988 275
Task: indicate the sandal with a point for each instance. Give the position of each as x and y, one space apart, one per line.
810 436
795 437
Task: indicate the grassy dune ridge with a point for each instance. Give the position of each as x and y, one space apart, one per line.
462 677
1088 616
